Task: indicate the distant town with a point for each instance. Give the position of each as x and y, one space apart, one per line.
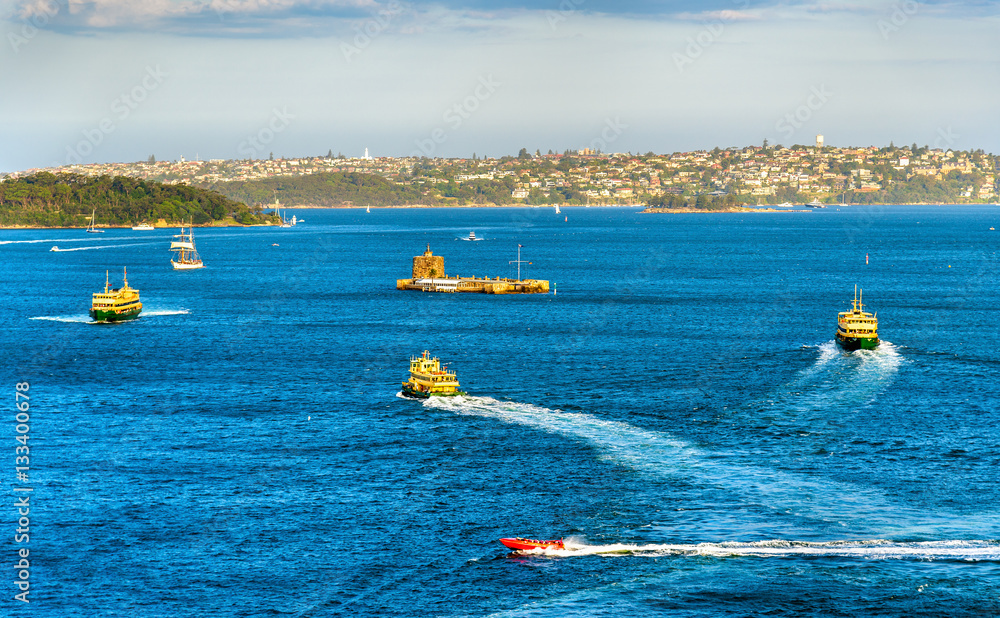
752 175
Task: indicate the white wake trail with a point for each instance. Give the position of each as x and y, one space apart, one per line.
30 242
665 456
64 318
86 319
839 378
135 244
879 549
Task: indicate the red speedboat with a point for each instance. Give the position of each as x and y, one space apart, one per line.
528 544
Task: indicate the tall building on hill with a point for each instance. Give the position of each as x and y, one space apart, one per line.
819 141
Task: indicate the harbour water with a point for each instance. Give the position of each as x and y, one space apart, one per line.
677 411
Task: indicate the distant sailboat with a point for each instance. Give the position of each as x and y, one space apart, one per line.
92 228
368 208
187 255
557 209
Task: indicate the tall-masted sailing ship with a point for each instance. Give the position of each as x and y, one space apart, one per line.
187 255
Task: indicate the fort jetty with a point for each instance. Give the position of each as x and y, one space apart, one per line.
428 276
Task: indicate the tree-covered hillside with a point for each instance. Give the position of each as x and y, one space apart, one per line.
325 189
67 200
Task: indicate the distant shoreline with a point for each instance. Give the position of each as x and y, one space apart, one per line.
580 206
129 227
682 211
671 211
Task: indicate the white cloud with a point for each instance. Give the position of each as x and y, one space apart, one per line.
143 14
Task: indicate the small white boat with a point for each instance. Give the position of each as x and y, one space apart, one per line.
471 236
816 204
143 227
55 248
785 205
557 209
368 208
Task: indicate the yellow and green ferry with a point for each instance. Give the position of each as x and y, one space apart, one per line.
857 329
428 379
116 304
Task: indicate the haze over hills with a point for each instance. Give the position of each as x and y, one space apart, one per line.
747 175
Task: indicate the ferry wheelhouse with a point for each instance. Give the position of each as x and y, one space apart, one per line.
857 329
428 379
115 304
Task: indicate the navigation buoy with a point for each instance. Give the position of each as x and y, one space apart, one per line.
866 258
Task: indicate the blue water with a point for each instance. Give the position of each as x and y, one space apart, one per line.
677 411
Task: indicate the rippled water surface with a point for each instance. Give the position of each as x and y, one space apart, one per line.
677 410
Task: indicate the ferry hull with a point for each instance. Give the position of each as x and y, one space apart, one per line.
409 391
110 315
857 343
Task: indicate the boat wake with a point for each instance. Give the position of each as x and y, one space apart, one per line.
134 244
31 242
160 312
971 551
86 319
837 379
649 452
65 318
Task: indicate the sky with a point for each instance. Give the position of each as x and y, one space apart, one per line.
119 80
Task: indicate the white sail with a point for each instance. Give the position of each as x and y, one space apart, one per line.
182 245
